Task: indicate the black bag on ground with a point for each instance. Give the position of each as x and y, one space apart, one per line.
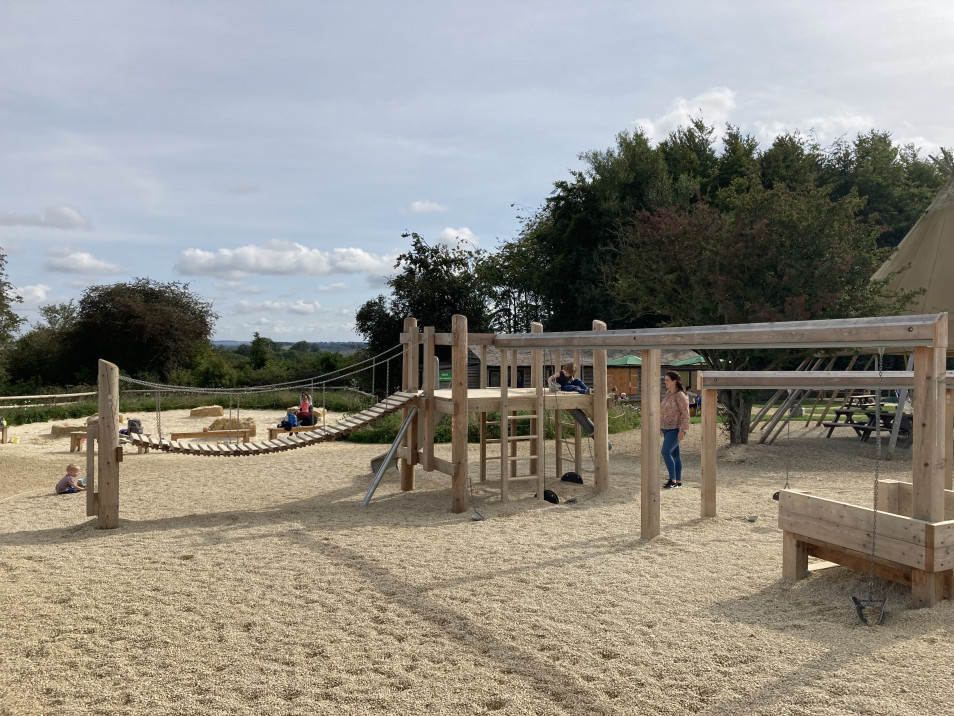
134 426
572 477
551 496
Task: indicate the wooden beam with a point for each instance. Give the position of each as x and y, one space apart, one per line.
709 439
412 338
459 420
835 333
649 436
108 431
600 416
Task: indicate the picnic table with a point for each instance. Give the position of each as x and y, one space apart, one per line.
845 418
887 422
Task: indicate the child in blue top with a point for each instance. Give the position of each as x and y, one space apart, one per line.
566 381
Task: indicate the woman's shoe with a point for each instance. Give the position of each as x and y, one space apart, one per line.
669 485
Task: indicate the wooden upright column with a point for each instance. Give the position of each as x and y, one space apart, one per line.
649 435
928 462
110 451
411 364
600 416
431 372
709 425
459 420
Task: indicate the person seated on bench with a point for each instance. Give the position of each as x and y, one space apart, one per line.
566 381
308 418
290 421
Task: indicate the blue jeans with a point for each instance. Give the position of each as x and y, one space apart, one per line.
574 386
670 453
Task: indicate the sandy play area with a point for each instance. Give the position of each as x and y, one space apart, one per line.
259 585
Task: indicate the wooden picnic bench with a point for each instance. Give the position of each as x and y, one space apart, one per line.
849 422
76 440
239 432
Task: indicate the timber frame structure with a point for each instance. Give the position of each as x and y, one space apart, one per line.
915 541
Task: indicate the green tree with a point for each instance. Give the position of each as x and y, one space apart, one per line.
261 351
780 254
43 356
147 328
896 182
9 321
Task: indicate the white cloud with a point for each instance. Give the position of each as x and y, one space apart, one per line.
457 237
298 307
32 295
423 207
67 261
332 288
714 106
280 258
59 217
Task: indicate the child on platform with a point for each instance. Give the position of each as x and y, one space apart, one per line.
68 483
566 381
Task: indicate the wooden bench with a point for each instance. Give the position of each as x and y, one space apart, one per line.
275 432
76 440
239 432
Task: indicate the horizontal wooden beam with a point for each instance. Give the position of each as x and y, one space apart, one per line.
742 380
893 331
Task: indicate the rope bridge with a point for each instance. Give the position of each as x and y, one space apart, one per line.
291 441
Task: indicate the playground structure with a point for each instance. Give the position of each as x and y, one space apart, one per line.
916 546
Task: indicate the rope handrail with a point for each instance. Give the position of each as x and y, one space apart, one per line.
321 381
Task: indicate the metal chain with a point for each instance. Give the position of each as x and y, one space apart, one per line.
874 518
159 414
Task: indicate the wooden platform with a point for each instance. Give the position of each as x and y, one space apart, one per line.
275 432
912 552
487 400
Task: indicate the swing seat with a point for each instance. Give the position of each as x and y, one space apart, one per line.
869 609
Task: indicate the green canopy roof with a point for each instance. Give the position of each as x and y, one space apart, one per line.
695 360
625 360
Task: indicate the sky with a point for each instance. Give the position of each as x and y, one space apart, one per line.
271 153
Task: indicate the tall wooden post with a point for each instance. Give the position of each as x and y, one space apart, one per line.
557 423
709 425
430 377
537 423
110 451
459 419
649 437
411 362
600 416
928 462
483 415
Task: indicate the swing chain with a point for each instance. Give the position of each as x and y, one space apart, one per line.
159 414
874 519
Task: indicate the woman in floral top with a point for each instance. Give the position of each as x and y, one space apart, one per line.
673 424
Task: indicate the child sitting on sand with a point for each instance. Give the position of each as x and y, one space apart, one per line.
68 483
291 420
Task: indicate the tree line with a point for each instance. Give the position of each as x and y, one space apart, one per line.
694 230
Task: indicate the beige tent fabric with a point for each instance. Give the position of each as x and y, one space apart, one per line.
925 257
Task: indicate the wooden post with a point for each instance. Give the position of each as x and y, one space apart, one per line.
649 437
459 420
431 373
557 423
411 352
709 438
794 556
92 496
483 415
537 423
504 428
600 415
577 430
109 449
948 439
